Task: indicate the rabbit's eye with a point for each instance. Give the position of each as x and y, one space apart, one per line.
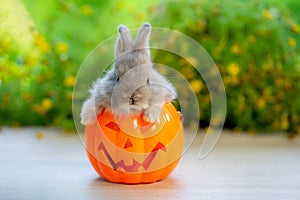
148 81
118 79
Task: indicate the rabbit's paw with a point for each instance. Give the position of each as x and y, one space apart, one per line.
152 113
88 117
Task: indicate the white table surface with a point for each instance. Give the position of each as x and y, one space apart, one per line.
240 167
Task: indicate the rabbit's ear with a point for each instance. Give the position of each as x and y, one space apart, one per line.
124 41
142 39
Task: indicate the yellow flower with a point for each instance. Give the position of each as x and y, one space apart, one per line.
38 109
39 135
236 49
233 69
5 42
86 10
201 25
295 28
69 81
261 103
278 82
61 48
69 95
267 92
275 125
197 85
192 60
284 121
277 108
188 72
267 14
32 58
46 104
41 43
292 42
252 132
231 80
27 97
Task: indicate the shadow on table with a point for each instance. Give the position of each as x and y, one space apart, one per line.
167 188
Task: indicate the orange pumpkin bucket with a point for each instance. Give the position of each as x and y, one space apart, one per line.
126 149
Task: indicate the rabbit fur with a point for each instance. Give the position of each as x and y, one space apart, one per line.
132 86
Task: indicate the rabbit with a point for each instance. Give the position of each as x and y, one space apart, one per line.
132 86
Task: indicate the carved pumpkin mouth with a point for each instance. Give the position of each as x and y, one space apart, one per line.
135 164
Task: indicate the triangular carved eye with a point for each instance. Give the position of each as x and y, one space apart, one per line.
113 126
128 144
159 146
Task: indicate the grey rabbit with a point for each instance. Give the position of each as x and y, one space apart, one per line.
132 86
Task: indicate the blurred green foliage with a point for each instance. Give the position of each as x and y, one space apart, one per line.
255 45
37 71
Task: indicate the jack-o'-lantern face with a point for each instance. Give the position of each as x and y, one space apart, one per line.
130 150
